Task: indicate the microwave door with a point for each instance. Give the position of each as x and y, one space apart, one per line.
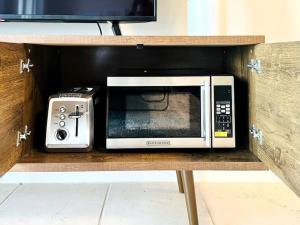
158 112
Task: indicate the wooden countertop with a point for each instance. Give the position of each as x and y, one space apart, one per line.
75 40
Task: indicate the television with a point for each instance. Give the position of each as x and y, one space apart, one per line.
78 10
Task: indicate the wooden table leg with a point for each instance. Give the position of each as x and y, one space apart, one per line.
190 196
179 181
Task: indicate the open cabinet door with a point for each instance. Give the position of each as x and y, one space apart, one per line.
276 109
11 104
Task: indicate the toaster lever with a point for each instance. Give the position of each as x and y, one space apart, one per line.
75 115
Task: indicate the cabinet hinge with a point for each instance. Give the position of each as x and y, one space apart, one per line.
25 66
255 65
23 135
256 134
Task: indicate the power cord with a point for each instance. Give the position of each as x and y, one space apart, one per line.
100 30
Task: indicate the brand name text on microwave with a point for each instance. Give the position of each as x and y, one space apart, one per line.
158 142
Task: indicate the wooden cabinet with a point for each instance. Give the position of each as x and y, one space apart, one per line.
274 98
276 109
12 88
269 100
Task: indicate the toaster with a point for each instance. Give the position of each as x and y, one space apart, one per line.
70 121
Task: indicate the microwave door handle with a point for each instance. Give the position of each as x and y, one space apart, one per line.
206 114
202 94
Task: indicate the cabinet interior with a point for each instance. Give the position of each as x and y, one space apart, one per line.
61 67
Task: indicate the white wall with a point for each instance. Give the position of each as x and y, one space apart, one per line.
172 20
206 17
278 20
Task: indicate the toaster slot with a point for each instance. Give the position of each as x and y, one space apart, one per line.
77 113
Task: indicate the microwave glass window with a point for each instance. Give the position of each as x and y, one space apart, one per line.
154 112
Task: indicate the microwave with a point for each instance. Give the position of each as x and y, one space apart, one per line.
170 112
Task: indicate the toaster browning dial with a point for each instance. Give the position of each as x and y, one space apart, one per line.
61 134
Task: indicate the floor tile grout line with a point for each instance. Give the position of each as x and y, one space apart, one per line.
104 203
10 194
206 206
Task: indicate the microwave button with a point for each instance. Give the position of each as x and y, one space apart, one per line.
218 109
227 106
223 107
228 113
223 111
218 105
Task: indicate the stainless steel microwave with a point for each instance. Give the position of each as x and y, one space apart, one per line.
171 112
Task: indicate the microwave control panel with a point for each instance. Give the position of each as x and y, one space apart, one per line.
223 112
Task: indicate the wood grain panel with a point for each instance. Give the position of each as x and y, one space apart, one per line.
277 111
103 160
68 40
11 104
236 60
43 82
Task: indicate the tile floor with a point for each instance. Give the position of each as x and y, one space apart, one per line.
147 204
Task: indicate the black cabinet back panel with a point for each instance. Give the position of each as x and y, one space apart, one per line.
92 65
64 67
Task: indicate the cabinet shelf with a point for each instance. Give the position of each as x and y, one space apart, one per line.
102 160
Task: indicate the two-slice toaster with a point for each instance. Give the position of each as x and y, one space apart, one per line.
70 121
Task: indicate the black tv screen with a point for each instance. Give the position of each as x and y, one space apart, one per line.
78 10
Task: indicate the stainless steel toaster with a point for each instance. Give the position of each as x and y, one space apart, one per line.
70 122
